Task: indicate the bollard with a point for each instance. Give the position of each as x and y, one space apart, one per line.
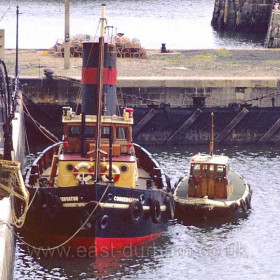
163 48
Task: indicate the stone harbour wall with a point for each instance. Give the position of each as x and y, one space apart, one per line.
174 91
273 34
242 15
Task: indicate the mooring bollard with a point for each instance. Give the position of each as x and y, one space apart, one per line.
163 48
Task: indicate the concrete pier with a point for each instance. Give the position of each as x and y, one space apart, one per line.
7 239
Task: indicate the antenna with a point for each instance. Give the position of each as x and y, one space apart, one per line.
67 36
212 135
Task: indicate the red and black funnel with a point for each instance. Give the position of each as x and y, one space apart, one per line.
89 78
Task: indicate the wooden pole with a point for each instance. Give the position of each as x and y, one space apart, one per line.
99 94
2 43
16 66
67 37
212 135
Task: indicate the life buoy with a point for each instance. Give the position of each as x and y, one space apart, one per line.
155 211
83 176
115 173
136 212
169 203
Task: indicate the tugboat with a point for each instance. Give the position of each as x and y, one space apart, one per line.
212 190
96 188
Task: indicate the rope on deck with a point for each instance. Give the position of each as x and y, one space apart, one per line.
12 185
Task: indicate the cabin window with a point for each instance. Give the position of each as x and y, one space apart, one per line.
105 132
227 169
90 131
204 171
121 132
211 170
74 131
220 171
196 170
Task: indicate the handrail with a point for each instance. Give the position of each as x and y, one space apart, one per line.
40 164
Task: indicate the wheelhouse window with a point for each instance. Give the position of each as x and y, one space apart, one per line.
220 171
90 131
121 133
204 170
105 132
196 169
211 170
74 131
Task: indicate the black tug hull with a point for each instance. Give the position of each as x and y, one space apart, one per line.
97 217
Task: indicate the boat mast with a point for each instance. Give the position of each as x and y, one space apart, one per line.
212 135
99 93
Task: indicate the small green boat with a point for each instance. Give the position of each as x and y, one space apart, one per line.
212 190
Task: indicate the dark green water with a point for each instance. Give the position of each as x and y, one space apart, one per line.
247 248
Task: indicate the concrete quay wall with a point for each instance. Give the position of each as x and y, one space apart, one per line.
7 241
174 91
7 238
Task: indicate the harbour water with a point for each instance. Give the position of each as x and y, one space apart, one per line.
181 24
246 248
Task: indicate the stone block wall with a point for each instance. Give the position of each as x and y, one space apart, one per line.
242 15
179 92
273 33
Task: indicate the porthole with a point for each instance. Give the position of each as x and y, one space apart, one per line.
124 168
70 167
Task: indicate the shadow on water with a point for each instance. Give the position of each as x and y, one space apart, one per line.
239 40
217 222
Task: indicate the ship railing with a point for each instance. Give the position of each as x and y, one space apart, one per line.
41 163
150 165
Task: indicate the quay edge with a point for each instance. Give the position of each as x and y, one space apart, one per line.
7 238
175 91
247 108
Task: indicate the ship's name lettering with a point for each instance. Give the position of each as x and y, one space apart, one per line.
69 198
124 199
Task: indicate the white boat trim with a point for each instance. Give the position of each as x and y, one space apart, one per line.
109 205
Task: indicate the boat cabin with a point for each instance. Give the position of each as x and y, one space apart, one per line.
121 133
76 168
210 177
